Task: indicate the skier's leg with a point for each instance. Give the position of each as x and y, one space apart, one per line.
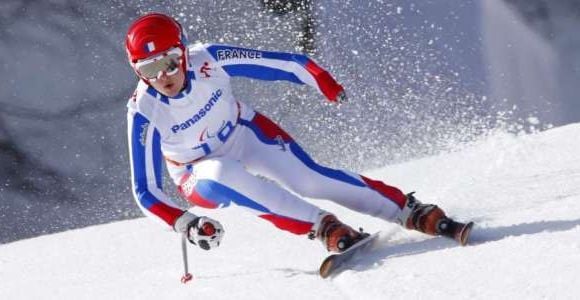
276 155
218 182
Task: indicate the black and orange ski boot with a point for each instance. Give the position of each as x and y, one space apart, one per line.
335 235
430 219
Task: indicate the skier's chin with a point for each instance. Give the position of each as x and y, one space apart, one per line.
170 90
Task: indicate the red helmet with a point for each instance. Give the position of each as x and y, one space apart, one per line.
152 34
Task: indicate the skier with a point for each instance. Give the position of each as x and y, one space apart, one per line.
184 113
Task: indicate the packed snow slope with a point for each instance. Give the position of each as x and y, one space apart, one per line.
522 191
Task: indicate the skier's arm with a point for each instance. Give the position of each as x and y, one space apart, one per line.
146 171
147 182
268 65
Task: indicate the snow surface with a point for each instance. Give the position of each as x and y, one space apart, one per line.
522 191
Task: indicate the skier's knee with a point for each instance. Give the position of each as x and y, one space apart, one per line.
189 190
196 186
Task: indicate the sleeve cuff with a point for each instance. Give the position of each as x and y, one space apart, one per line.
182 222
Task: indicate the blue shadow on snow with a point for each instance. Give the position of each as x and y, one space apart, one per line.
378 255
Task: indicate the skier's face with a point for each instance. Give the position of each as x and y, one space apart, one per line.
164 71
169 85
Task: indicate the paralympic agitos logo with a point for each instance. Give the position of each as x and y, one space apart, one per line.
215 96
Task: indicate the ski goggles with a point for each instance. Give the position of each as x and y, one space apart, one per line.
167 63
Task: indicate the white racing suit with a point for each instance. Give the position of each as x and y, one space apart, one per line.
219 144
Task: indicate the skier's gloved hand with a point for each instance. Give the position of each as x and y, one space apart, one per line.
202 231
205 232
341 97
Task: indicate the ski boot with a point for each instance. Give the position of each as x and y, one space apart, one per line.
335 235
430 219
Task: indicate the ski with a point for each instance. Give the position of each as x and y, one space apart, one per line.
334 262
448 228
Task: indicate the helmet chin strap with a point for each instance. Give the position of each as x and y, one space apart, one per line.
184 64
185 83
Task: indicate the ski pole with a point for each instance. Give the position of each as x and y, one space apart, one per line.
186 276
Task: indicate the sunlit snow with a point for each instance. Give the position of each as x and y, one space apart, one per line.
522 191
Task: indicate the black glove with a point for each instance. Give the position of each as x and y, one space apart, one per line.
341 97
202 231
